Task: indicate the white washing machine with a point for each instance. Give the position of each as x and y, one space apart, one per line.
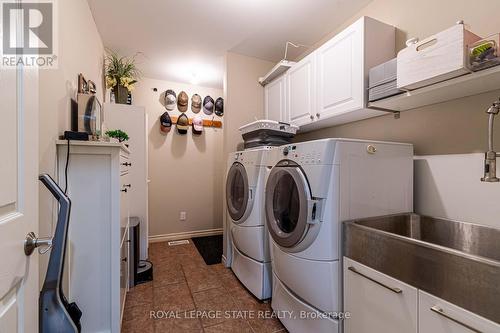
245 182
312 188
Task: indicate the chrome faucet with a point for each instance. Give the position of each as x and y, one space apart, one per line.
490 157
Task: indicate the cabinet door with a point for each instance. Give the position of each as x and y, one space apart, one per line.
275 100
439 316
301 88
340 71
377 302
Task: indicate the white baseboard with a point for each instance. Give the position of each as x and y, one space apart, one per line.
184 235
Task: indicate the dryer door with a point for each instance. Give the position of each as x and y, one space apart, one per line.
290 209
237 191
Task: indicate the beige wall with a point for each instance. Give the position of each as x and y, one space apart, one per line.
244 98
185 170
448 128
80 51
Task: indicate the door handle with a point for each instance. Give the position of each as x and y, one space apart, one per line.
441 312
313 211
32 242
393 289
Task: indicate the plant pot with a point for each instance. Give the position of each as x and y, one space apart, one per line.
121 94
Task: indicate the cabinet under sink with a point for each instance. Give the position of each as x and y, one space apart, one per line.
444 272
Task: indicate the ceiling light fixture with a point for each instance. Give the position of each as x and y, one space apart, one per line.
192 72
194 79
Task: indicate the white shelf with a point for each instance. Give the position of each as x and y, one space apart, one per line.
280 68
462 86
93 144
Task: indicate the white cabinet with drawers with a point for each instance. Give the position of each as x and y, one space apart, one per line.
379 303
134 120
96 268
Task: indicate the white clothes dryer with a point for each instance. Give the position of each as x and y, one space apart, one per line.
312 188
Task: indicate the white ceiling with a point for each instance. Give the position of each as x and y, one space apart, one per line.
185 40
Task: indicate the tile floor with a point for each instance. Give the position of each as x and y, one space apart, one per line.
195 297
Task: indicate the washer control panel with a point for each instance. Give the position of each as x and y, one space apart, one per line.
249 158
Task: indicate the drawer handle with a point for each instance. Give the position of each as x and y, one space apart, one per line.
441 312
127 164
394 290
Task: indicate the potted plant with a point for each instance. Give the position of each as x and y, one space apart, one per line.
118 134
121 75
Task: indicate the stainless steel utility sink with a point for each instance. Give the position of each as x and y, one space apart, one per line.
456 261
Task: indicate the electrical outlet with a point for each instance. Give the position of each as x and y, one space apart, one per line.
183 216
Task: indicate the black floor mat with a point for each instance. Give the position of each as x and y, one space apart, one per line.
210 248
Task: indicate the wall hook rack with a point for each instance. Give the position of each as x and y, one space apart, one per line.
206 122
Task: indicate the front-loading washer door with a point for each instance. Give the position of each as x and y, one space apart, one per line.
237 191
289 212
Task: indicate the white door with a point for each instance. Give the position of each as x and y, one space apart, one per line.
18 199
300 85
340 71
275 100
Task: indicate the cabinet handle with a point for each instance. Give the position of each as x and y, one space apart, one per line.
441 312
124 190
318 114
127 185
124 259
393 289
312 117
127 164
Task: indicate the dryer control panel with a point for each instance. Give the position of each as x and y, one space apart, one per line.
305 154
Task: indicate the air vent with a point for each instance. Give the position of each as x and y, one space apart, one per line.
179 242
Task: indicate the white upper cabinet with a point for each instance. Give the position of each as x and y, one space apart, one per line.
329 87
340 73
301 91
275 100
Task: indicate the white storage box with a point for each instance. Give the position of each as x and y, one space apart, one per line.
437 58
382 81
267 133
